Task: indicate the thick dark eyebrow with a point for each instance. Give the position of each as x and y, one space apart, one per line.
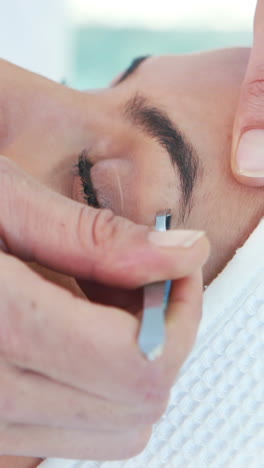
131 69
158 125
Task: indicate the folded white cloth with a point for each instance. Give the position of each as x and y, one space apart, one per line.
215 417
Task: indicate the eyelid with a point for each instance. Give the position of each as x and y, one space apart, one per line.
112 177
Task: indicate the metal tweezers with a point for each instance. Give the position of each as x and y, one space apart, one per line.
152 332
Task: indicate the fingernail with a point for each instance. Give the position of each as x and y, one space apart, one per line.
250 154
175 238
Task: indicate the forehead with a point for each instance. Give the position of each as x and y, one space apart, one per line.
201 74
198 92
195 89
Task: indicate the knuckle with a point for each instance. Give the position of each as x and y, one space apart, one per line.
253 102
153 388
109 228
103 228
100 222
158 410
149 415
8 187
105 239
255 88
139 441
133 443
7 171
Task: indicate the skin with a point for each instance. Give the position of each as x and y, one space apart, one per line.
51 124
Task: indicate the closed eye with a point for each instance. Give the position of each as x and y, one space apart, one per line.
84 167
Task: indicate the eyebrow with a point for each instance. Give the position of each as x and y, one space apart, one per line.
159 126
131 69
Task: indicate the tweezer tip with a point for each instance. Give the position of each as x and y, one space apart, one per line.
163 213
155 353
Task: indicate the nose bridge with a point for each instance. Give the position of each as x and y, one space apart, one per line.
100 110
99 101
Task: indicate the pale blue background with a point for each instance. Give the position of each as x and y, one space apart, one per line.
100 53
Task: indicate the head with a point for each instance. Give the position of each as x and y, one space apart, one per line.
157 138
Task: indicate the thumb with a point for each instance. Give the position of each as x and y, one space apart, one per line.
39 225
248 132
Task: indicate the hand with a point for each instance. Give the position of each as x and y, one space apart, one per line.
73 381
248 132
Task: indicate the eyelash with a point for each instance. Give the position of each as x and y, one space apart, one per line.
84 167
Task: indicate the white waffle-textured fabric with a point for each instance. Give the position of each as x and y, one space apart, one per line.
215 417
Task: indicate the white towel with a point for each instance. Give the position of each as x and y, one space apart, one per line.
215 417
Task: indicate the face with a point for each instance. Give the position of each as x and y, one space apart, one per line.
157 138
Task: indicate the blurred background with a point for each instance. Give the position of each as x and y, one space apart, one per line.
87 43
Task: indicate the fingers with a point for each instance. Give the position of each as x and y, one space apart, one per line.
248 132
39 225
47 330
96 349
30 398
91 375
47 442
182 322
185 310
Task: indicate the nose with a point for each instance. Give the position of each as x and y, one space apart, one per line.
95 91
